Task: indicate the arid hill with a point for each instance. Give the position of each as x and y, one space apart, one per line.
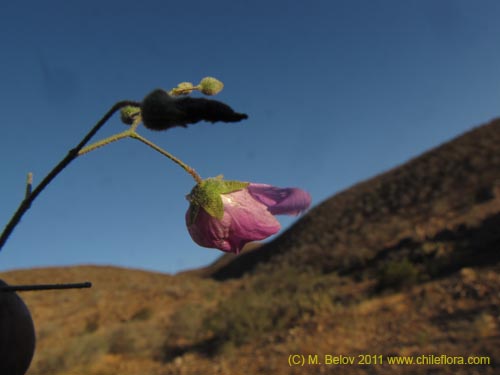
445 190
403 266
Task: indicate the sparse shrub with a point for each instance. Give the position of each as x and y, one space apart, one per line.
244 316
121 342
80 350
186 322
92 325
142 314
484 324
271 303
51 362
397 274
85 349
184 333
484 194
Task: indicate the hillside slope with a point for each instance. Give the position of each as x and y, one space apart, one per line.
449 188
405 264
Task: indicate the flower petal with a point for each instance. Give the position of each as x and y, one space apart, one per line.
250 219
245 219
208 231
280 201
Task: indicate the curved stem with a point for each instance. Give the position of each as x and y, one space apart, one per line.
186 167
72 154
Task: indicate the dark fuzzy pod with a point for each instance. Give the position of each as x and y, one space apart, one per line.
198 109
17 334
160 111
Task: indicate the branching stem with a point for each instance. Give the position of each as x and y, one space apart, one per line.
81 149
132 133
72 155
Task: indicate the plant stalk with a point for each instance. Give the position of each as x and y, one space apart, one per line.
72 155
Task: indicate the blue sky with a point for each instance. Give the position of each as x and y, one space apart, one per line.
336 91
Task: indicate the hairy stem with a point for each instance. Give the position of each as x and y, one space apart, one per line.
186 167
112 138
132 133
104 142
72 155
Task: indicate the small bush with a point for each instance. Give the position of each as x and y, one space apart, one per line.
143 314
79 351
271 303
92 325
186 322
397 274
184 333
121 342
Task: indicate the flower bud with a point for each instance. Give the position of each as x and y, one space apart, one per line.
228 214
183 88
128 114
211 86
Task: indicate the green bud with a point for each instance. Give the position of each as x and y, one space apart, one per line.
183 88
128 114
210 86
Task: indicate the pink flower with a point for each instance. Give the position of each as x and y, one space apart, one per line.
228 214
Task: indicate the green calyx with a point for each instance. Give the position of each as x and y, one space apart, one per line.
207 194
